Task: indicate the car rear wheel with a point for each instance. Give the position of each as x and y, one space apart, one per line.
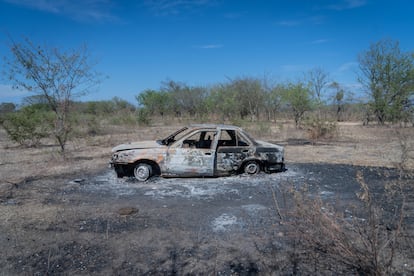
142 171
252 167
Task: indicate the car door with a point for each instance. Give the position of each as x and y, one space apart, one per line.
192 155
232 149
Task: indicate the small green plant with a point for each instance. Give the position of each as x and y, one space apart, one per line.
143 117
320 129
28 125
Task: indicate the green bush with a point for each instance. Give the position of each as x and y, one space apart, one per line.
28 125
321 129
143 117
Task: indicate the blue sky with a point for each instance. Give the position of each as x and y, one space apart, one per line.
139 44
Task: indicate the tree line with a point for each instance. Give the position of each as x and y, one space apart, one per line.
57 78
244 98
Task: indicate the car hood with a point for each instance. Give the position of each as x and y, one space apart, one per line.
137 145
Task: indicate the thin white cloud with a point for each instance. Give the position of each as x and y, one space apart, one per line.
290 23
347 5
86 10
234 15
319 41
210 46
311 20
175 7
348 66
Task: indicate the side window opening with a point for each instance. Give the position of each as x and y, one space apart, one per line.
241 141
231 138
227 138
200 140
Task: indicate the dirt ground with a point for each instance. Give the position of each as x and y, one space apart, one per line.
354 145
73 216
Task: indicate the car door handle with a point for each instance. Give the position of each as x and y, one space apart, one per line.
207 153
245 151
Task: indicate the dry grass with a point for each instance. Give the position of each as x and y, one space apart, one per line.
328 239
355 144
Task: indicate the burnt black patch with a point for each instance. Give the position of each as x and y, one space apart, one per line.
71 258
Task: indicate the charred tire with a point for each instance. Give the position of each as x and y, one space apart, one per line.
142 172
252 167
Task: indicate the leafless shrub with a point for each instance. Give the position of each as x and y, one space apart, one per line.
373 236
366 240
406 145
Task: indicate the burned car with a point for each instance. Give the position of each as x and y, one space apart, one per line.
198 151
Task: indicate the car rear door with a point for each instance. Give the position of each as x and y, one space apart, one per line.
232 149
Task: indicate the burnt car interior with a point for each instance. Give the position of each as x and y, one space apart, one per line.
204 139
200 140
229 138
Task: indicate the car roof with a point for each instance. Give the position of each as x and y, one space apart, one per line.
215 126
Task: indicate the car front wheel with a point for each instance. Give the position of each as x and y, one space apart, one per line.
252 167
142 172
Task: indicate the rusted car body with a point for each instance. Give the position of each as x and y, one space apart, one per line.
198 150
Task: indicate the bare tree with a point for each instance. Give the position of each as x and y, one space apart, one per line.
318 80
59 76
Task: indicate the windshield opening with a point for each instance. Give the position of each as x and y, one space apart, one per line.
173 137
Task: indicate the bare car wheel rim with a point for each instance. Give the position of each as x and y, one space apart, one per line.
251 168
142 172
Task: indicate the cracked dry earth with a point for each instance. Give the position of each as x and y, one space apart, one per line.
100 225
